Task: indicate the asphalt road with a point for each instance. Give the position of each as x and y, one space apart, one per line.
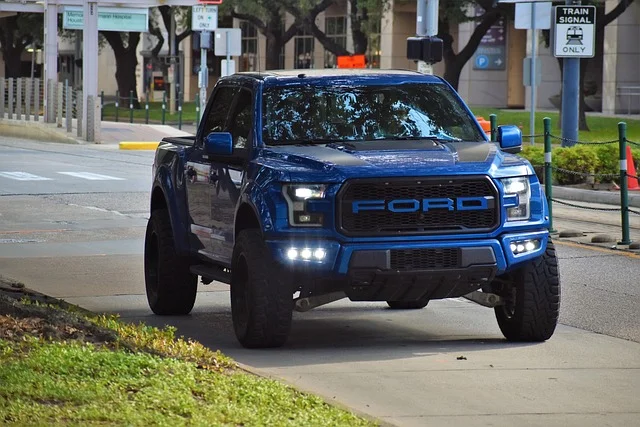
72 222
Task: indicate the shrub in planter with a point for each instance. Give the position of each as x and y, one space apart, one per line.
580 158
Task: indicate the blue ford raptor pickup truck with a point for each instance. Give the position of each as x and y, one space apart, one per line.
304 187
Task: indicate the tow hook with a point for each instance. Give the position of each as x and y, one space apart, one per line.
485 299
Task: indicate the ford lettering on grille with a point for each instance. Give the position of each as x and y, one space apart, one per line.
423 205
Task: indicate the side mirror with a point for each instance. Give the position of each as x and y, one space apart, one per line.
510 139
218 144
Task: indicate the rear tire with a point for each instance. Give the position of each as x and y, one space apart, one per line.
407 305
261 300
532 300
171 287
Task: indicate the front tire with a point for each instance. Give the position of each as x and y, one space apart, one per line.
532 300
261 299
171 287
407 305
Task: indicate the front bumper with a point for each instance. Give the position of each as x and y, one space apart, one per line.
382 271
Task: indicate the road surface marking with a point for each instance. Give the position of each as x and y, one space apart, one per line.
92 176
23 176
597 249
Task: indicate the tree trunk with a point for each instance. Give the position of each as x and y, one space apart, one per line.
582 117
126 77
358 36
272 57
126 63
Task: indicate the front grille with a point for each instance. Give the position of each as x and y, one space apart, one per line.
424 259
434 221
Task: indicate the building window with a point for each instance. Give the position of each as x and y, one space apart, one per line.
303 50
249 58
335 27
373 45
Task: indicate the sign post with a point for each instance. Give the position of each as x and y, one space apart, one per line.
533 16
204 19
573 38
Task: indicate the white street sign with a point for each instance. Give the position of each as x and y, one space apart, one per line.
228 42
109 18
227 67
574 31
542 16
204 18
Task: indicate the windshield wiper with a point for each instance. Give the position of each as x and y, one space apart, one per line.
428 138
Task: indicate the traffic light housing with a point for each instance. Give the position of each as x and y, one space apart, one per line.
428 49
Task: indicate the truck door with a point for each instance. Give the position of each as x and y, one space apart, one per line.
198 174
230 174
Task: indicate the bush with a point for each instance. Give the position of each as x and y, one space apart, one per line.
595 159
580 158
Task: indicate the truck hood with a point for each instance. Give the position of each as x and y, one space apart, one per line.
417 158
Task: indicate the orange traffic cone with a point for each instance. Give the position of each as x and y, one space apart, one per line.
632 183
485 124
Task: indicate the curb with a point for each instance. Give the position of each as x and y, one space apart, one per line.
39 131
593 196
138 145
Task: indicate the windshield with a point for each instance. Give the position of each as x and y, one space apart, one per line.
314 114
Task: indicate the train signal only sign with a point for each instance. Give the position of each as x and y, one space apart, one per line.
574 31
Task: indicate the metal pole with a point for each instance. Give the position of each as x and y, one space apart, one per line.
2 90
204 77
421 29
79 112
570 96
69 113
228 55
19 98
59 99
548 178
117 104
36 100
28 96
10 81
197 110
101 105
130 106
146 111
164 106
493 119
624 190
180 111
534 54
172 59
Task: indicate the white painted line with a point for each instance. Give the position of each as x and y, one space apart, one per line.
92 176
23 176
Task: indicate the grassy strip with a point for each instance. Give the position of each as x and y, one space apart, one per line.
155 113
601 128
141 376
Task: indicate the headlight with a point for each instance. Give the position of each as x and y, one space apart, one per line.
297 196
520 187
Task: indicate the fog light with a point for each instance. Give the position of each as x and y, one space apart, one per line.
524 246
292 253
306 253
319 254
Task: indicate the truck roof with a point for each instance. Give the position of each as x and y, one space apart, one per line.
337 73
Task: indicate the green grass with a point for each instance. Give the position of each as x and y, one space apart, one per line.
145 377
155 113
601 128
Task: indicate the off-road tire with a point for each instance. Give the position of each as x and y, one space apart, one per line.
171 287
407 305
532 300
261 299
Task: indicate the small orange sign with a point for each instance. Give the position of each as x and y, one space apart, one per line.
352 61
